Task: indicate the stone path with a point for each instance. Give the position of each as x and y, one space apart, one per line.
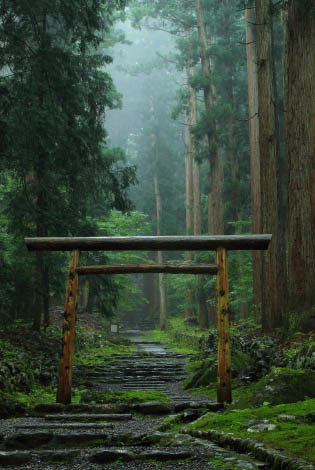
120 436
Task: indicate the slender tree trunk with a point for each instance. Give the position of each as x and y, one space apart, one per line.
299 85
85 296
251 55
158 206
46 300
160 253
201 304
42 269
215 204
189 192
37 314
273 264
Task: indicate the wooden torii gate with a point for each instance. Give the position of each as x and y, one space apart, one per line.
220 244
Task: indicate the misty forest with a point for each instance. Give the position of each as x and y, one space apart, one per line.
157 234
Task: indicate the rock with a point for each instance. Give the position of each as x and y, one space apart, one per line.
245 465
65 425
28 440
89 417
164 456
285 418
14 458
82 438
153 407
262 427
66 456
253 422
210 406
280 386
149 439
109 455
49 408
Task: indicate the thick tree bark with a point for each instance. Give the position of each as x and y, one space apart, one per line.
251 55
299 84
273 264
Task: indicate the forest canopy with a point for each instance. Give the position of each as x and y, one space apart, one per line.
199 102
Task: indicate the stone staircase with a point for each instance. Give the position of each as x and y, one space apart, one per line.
152 366
140 371
86 435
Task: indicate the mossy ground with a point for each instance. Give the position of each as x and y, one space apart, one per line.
179 336
34 355
295 438
130 397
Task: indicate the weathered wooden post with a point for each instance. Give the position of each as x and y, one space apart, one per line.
224 391
66 359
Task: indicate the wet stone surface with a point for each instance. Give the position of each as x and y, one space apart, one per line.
83 437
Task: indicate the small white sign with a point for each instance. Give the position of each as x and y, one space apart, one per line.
114 328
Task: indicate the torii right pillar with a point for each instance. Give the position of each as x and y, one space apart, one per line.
224 390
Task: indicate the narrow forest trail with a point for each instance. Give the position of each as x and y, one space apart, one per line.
120 436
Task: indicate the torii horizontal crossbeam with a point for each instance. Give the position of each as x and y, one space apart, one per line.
178 243
149 268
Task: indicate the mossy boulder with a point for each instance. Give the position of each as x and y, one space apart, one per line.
9 406
281 385
207 369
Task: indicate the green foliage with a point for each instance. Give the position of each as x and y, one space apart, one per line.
54 92
181 337
133 223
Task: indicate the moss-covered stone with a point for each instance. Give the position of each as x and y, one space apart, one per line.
281 385
207 369
9 406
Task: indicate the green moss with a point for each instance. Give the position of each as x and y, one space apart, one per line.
181 337
281 385
96 356
295 438
10 405
131 397
206 370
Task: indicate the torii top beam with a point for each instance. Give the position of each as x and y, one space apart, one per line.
178 243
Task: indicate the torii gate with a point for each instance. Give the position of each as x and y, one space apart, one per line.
220 244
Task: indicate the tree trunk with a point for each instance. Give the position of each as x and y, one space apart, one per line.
160 253
251 55
201 304
299 85
37 314
189 199
215 205
158 208
273 263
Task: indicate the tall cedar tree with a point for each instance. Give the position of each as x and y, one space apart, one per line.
252 79
299 84
54 91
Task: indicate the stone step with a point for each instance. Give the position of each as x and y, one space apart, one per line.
49 440
65 425
132 389
89 417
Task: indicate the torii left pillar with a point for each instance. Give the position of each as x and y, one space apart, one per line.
66 359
